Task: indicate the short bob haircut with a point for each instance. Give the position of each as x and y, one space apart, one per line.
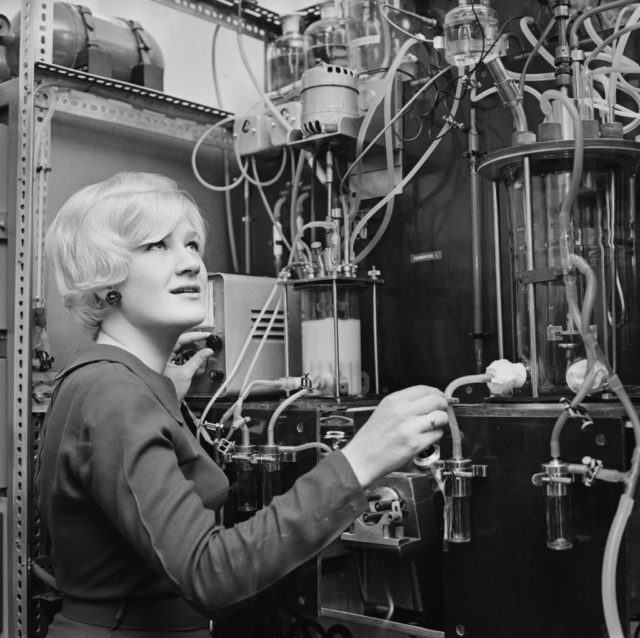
94 233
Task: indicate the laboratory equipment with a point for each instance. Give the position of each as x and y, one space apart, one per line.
470 33
331 336
329 36
234 303
287 54
111 47
536 177
329 96
369 42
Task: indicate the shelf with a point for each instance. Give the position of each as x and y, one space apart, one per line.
106 100
131 93
256 21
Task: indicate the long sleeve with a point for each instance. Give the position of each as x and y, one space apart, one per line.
138 490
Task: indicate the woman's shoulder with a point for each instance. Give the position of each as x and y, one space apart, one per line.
107 382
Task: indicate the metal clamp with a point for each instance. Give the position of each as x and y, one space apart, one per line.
593 466
577 412
224 445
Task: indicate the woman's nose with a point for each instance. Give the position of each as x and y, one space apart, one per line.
189 261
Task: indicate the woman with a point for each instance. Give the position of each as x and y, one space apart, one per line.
125 493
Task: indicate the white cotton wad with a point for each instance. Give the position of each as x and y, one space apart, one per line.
577 372
505 376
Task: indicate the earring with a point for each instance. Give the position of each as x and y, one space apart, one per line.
113 297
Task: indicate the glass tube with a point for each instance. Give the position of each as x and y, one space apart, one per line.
558 515
246 486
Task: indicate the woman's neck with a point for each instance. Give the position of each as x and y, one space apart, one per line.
153 351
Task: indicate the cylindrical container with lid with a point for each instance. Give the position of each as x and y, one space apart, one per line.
329 36
287 55
470 33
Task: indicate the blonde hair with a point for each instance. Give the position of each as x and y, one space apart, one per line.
95 231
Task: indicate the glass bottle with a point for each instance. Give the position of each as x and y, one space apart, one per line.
329 36
367 37
470 33
286 55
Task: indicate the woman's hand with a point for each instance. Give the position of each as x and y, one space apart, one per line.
404 423
182 374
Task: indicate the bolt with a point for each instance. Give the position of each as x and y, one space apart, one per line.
300 428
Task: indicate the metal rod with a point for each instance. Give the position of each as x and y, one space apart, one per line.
286 330
375 338
496 246
336 342
346 236
247 229
602 216
528 229
329 159
474 180
613 273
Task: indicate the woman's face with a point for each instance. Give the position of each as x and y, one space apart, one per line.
166 284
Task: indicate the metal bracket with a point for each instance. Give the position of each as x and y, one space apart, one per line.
578 412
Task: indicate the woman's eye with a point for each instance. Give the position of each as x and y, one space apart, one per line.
194 245
157 245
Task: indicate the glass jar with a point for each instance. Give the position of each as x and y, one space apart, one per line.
329 36
470 33
287 55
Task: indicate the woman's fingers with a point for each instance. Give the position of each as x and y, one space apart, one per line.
187 338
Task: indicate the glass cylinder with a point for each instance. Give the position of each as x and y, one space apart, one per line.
271 484
558 507
369 44
287 55
457 506
329 36
246 482
470 31
602 232
318 338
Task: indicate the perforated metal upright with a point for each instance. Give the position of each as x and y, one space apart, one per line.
35 45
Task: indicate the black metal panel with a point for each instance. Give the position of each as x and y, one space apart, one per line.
505 582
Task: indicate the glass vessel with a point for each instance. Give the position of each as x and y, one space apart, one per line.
246 481
557 506
369 45
318 338
457 507
470 32
287 55
604 219
329 36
